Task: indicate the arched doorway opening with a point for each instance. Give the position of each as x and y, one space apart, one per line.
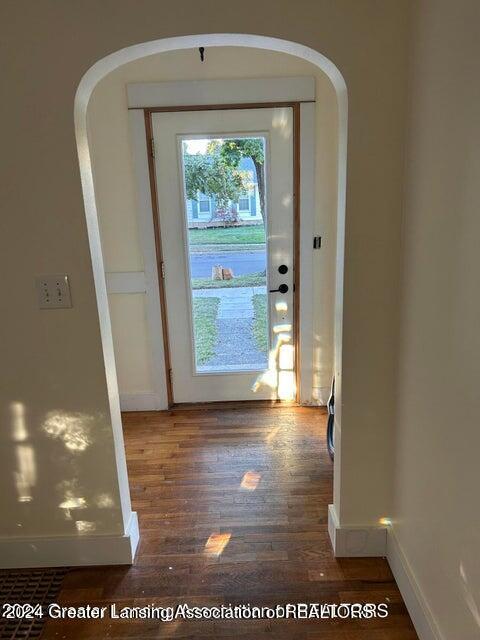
84 93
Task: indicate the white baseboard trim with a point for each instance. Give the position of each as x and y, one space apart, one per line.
355 542
142 401
420 613
71 551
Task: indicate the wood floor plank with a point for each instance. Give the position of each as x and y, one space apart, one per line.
233 505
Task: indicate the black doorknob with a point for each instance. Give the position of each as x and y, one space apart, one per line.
283 269
283 288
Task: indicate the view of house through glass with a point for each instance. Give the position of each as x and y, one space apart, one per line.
224 186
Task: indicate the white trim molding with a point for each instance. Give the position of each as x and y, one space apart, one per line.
353 541
142 95
420 613
307 216
71 551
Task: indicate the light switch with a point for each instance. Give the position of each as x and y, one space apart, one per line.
53 292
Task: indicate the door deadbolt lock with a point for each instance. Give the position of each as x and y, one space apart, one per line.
283 269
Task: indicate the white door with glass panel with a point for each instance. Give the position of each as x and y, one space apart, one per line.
225 202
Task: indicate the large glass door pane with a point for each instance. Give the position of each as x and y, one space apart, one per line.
225 233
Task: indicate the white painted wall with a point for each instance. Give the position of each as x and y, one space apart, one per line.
116 199
57 361
436 515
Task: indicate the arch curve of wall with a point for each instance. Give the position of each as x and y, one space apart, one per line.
85 89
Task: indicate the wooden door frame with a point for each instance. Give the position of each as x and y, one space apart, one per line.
147 113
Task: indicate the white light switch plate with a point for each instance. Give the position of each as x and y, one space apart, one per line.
53 292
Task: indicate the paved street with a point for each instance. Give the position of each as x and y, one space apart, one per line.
241 262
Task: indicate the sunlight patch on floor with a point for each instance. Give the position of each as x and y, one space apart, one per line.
216 543
250 480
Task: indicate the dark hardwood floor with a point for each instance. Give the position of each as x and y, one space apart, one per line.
232 504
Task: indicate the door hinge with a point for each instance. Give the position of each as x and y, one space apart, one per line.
152 148
170 375
317 242
162 269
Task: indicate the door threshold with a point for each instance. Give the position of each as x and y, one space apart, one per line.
233 404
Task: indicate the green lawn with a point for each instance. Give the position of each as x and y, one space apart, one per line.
260 327
228 235
250 280
205 327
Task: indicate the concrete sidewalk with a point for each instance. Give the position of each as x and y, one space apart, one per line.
236 349
235 302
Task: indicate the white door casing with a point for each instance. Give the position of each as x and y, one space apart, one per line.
162 94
